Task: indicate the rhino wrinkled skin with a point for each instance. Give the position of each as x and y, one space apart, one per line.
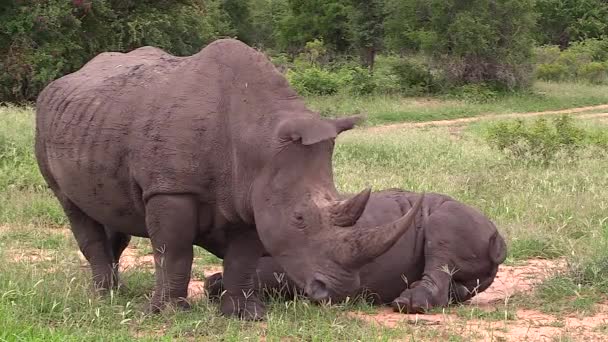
213 149
452 255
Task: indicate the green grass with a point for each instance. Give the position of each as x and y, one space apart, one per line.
391 109
558 210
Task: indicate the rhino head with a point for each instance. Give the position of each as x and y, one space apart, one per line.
302 221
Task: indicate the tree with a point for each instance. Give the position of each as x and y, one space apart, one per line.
474 41
240 18
315 19
367 28
266 16
41 40
563 21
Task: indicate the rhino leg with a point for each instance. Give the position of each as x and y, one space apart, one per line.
429 292
118 243
93 243
269 280
171 221
240 261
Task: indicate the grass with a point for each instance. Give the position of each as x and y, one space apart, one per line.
391 109
552 211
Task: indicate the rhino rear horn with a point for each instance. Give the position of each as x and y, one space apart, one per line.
375 241
346 213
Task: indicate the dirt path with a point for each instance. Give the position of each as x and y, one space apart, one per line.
580 111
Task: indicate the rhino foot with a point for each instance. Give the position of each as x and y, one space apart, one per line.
214 286
415 300
176 304
246 308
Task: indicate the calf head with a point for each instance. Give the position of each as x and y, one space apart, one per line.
302 222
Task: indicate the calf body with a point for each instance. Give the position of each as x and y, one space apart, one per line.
452 254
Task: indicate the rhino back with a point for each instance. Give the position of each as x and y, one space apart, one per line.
128 126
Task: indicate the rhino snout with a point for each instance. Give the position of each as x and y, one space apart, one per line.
317 290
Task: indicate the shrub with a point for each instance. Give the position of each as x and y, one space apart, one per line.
540 141
594 72
313 81
361 82
414 78
552 72
582 61
476 93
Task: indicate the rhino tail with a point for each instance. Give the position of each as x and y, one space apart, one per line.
498 248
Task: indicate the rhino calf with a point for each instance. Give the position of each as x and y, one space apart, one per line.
452 254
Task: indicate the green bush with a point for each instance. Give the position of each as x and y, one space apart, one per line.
414 78
475 93
313 81
594 72
361 81
585 61
542 140
552 72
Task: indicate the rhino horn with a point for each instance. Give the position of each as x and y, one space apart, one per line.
371 242
346 213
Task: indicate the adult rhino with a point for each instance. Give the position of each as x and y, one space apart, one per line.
214 150
452 255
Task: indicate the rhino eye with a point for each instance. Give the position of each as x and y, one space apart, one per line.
298 220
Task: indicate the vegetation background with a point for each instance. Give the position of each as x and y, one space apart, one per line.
407 47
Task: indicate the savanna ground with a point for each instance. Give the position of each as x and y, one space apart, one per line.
553 286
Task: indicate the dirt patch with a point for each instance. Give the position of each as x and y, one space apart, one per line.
30 255
526 325
455 122
131 259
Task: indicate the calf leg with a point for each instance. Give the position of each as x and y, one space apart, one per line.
431 291
93 244
465 289
172 222
240 262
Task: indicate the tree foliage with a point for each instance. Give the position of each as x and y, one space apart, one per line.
367 28
564 21
315 19
452 42
41 40
476 41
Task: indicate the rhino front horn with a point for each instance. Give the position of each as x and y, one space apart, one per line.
375 241
346 213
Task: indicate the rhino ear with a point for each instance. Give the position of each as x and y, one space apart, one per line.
311 130
308 131
348 122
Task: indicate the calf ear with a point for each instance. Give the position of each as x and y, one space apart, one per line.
311 130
